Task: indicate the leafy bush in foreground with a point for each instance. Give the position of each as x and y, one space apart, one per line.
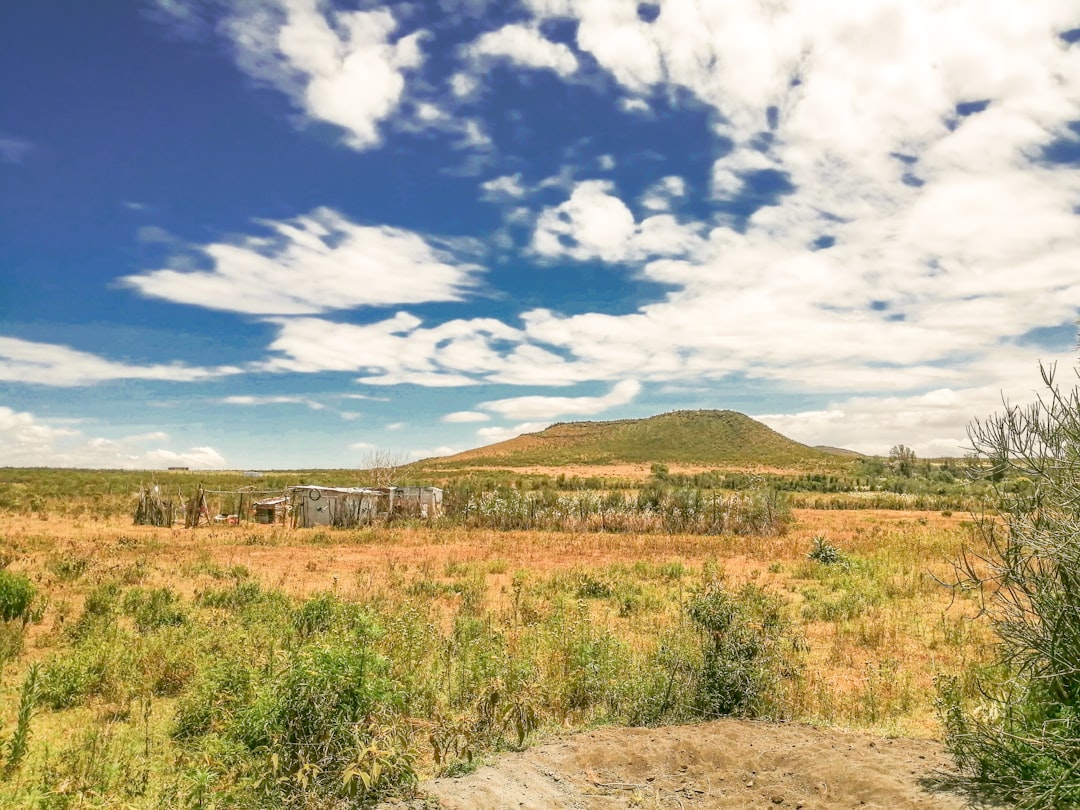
1019 740
747 650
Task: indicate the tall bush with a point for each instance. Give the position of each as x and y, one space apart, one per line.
1018 738
16 594
747 650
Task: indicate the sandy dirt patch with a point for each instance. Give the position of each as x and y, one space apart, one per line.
722 764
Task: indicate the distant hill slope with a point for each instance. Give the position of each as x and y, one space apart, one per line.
838 451
713 438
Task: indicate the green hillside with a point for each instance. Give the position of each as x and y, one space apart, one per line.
713 438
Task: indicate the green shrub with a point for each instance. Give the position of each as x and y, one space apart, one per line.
316 721
16 594
825 553
214 698
154 609
747 650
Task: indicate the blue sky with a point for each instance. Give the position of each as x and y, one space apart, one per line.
290 233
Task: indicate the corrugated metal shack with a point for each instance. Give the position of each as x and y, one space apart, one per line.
345 507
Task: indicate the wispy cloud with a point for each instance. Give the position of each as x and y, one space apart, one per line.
526 47
274 400
541 407
25 361
499 189
315 263
14 150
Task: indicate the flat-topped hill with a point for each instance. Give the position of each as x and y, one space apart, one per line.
713 438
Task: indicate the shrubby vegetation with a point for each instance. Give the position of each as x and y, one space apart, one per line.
279 703
858 483
656 507
1015 731
204 685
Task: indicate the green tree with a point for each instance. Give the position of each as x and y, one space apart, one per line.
1015 732
903 459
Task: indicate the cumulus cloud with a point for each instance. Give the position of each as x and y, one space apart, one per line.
916 237
909 238
400 345
27 441
402 350
731 171
26 361
345 68
596 224
312 264
525 46
543 407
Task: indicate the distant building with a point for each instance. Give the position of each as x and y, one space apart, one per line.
344 507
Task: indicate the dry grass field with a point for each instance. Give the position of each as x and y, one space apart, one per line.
485 640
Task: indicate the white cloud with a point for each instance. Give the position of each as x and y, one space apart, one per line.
595 224
27 441
341 67
500 188
911 250
912 246
663 192
933 423
397 347
315 263
458 417
541 407
25 361
273 400
730 171
464 85
634 105
361 446
526 47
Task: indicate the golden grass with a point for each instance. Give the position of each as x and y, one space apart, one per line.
873 666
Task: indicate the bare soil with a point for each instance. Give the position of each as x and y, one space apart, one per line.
722 764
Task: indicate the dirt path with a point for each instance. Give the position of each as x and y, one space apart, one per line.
724 764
